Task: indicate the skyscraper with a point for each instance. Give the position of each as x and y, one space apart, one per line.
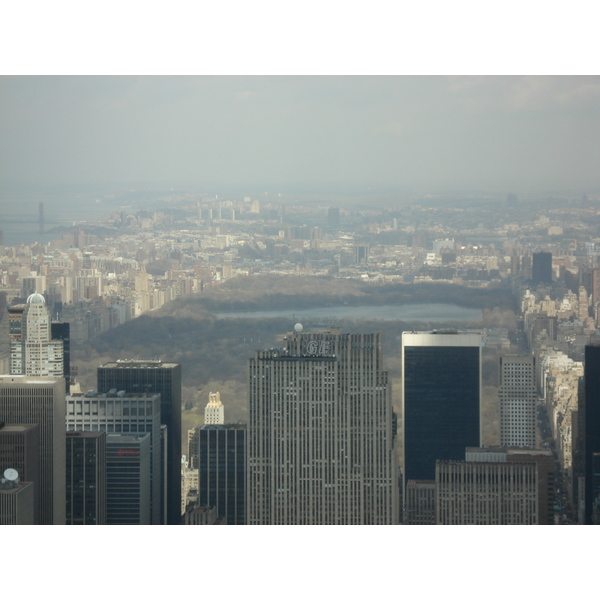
320 437
496 486
62 332
43 356
441 390
591 435
20 450
214 412
40 400
16 499
156 377
86 478
122 413
542 267
128 479
517 401
221 471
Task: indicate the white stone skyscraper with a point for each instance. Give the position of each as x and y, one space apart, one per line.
517 401
214 411
33 351
321 440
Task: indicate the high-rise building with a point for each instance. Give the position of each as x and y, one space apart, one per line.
20 450
496 486
221 470
518 397
29 400
542 267
16 499
33 350
156 377
214 412
320 436
591 435
86 478
43 356
441 390
472 493
420 503
118 412
128 479
62 332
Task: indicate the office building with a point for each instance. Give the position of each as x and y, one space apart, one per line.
62 332
15 335
221 470
20 450
16 499
420 503
320 438
29 400
123 413
518 397
86 478
591 435
156 377
496 486
128 479
542 267
472 493
441 390
42 356
202 515
214 412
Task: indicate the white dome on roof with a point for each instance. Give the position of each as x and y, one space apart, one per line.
36 299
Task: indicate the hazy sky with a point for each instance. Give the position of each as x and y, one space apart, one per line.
422 132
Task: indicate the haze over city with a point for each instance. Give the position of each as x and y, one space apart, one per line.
328 134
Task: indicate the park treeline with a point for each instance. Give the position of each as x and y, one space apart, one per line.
290 292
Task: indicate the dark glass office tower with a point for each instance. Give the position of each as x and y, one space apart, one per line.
542 267
221 470
86 478
591 435
61 331
128 479
154 376
441 381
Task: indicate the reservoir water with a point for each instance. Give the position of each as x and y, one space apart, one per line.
431 313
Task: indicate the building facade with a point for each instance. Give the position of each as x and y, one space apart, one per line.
591 435
156 377
128 475
42 356
86 478
518 396
542 267
221 471
214 411
320 436
30 400
496 486
122 413
488 493
20 450
441 391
